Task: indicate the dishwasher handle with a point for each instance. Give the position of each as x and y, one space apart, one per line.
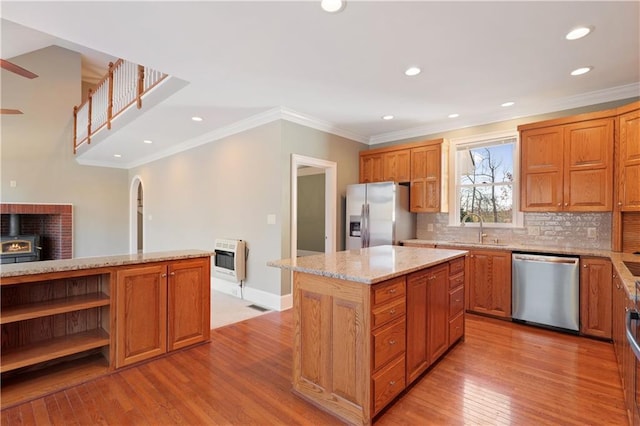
546 259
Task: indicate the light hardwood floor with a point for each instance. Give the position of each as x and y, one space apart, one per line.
502 373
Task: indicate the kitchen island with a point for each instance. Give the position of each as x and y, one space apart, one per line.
368 322
65 321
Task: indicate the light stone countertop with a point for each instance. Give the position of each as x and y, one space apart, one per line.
369 265
617 259
80 263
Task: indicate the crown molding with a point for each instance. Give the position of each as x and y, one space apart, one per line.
322 125
569 102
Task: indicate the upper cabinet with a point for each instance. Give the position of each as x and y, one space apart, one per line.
421 164
629 159
384 165
426 178
567 164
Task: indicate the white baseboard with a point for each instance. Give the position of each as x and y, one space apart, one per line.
259 297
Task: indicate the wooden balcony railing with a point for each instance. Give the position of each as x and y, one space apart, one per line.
124 85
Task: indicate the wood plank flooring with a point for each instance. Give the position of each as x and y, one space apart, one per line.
502 373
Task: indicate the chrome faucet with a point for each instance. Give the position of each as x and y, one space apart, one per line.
481 234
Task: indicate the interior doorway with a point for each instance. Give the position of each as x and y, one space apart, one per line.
136 217
308 166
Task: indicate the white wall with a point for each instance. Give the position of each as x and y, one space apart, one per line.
37 153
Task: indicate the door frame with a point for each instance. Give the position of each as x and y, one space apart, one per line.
330 202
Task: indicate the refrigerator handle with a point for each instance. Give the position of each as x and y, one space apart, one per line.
363 227
366 213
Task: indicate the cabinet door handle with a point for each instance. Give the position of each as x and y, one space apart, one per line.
559 204
172 274
392 382
619 203
392 312
566 204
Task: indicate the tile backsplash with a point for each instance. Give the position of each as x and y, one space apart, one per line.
585 230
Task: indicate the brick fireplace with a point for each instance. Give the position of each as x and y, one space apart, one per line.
53 222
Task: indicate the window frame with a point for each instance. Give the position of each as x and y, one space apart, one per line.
454 183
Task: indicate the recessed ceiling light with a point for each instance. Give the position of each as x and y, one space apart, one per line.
453 115
581 71
508 104
332 6
147 141
411 71
577 33
387 117
117 155
196 118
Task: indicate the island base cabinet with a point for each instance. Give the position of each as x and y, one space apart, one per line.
161 307
332 363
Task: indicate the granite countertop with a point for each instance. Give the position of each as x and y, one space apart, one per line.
80 263
617 259
369 265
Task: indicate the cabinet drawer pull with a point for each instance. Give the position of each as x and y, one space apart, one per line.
392 382
457 300
392 290
392 342
392 312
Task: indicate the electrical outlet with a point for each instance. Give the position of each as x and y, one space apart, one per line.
591 233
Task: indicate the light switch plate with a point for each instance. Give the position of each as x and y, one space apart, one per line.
271 219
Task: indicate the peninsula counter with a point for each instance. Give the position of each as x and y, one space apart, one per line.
65 321
368 322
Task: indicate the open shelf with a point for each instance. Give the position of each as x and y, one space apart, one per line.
53 348
34 384
52 307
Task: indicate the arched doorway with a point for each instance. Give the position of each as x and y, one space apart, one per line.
136 217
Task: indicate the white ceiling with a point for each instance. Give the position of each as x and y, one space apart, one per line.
248 62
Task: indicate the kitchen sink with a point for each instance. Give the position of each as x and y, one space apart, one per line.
634 268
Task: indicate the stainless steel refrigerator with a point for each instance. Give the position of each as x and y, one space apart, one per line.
378 214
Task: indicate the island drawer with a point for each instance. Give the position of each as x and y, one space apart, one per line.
389 311
456 328
456 266
456 281
388 290
388 342
387 384
456 301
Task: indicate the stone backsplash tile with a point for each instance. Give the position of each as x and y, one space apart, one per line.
586 230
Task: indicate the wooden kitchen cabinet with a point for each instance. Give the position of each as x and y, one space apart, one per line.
397 166
567 167
426 178
489 283
385 165
161 307
371 167
595 297
433 309
629 160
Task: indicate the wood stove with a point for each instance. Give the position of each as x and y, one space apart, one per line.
15 247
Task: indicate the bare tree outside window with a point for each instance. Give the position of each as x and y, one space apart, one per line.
486 182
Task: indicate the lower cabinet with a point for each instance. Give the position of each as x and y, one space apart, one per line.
489 289
595 297
435 317
621 303
161 307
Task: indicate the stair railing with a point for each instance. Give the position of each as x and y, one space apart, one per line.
124 84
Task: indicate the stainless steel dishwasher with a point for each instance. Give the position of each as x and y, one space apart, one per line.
546 290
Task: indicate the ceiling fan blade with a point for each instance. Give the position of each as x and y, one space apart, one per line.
10 111
9 66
